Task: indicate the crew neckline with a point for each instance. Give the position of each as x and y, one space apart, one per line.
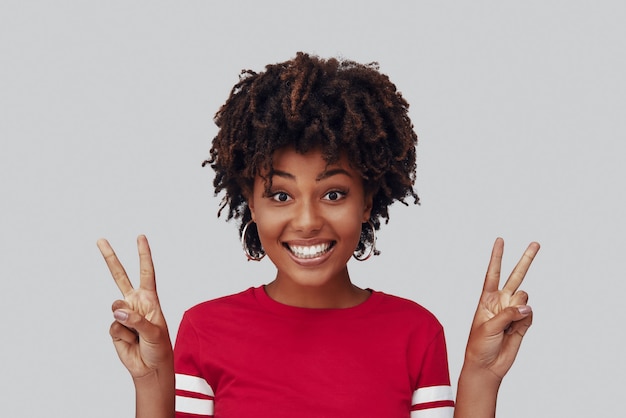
282 309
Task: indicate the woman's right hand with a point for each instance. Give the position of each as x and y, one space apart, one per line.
139 332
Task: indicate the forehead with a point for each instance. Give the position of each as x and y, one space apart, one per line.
311 162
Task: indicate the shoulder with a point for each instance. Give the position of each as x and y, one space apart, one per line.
405 309
225 305
401 304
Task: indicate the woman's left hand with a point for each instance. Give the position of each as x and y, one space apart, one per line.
502 316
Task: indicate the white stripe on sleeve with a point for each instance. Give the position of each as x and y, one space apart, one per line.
193 384
432 394
442 412
202 407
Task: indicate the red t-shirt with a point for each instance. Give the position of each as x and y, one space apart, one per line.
247 355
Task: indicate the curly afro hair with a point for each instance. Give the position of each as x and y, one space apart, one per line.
308 102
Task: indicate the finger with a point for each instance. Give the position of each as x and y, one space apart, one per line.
515 333
520 327
512 342
119 332
119 308
126 344
120 304
519 298
146 266
115 267
492 278
137 322
522 266
503 320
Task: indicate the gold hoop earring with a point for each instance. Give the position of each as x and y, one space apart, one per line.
246 250
372 250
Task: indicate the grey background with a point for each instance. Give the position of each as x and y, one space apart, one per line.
106 114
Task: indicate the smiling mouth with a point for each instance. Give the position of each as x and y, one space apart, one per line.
309 251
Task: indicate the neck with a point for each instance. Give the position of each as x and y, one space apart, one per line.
317 297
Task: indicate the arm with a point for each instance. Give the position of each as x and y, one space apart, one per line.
140 335
501 320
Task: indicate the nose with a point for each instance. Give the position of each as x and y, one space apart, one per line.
307 218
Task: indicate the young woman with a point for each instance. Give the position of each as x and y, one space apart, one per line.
310 154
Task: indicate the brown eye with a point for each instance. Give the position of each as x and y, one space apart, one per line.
280 197
334 195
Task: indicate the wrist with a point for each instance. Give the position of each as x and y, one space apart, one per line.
477 392
477 374
160 380
156 378
155 394
160 371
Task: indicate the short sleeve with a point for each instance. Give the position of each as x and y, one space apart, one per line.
194 395
432 397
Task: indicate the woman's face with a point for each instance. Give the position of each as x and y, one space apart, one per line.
310 221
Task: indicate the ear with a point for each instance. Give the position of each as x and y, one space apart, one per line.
252 214
369 202
250 200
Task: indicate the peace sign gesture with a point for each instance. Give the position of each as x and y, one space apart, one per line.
139 332
500 322
502 316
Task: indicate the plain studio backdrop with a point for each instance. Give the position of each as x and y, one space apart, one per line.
106 114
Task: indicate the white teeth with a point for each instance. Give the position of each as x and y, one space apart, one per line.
310 251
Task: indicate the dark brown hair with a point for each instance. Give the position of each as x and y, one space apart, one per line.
307 102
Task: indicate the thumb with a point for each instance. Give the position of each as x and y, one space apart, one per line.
513 318
513 322
137 322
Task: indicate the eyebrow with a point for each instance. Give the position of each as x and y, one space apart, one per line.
320 177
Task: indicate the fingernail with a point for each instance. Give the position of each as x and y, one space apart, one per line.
120 315
524 310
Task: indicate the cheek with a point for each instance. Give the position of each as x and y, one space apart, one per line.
348 224
268 226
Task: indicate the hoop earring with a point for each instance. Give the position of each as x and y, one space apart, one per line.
246 250
372 250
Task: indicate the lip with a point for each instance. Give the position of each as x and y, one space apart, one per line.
314 261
